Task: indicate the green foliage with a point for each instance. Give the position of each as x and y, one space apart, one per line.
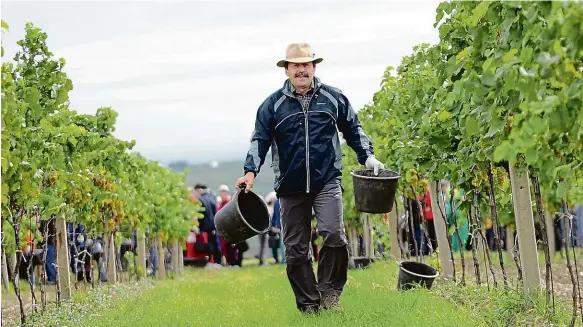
502 86
58 162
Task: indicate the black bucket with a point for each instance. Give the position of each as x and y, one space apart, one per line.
243 217
413 273
374 194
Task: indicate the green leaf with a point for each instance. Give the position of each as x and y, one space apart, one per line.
561 191
510 55
479 12
4 165
561 171
73 140
502 151
557 48
531 13
15 187
526 54
472 127
531 156
444 115
5 25
487 64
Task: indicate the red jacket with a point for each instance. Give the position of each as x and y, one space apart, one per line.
428 210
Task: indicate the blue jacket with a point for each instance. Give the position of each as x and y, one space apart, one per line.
209 203
305 146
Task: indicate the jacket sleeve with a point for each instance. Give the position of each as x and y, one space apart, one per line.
351 129
260 139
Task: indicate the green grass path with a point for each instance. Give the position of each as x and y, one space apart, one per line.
261 296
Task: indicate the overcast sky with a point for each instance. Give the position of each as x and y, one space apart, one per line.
187 77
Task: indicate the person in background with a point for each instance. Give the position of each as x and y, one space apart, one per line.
274 240
50 260
276 224
97 255
229 250
207 223
264 237
426 198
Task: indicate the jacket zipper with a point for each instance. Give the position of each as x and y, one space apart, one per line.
307 142
307 150
307 133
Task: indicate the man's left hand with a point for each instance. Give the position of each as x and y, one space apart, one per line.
374 164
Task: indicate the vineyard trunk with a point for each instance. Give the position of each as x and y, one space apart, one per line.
411 223
43 278
570 267
486 248
545 241
16 223
474 245
457 231
494 213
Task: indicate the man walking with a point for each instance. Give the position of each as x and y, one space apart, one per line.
300 122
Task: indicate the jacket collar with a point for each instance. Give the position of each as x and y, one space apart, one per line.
288 88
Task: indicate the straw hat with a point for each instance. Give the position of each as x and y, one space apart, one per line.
299 53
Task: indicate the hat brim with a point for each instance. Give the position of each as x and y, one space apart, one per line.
302 60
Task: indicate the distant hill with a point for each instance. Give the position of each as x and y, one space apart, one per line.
225 173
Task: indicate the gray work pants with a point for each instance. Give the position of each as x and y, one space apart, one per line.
296 213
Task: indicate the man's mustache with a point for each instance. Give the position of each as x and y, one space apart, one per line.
302 74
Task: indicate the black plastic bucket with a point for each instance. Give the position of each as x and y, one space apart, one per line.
413 273
243 217
374 194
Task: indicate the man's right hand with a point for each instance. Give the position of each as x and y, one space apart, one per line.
246 181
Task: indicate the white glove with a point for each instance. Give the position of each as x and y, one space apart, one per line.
374 164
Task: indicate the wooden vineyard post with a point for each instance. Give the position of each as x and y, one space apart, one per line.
180 259
366 235
142 251
441 231
525 228
371 244
551 232
63 258
353 235
161 269
111 271
5 279
394 234
175 257
509 238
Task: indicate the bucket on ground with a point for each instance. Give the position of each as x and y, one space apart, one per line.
374 194
413 273
243 217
